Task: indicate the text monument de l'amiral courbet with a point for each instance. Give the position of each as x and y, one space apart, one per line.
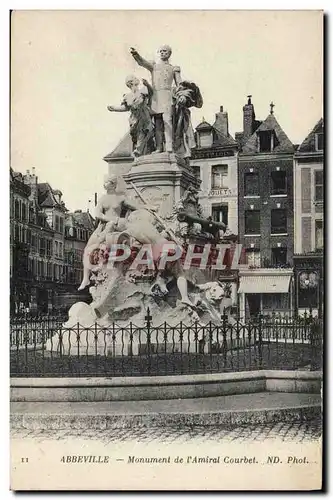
143 254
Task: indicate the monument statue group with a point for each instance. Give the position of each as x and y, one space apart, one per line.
159 112
125 279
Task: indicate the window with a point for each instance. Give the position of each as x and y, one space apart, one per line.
278 221
17 233
319 187
320 141
319 234
251 184
196 170
56 271
57 223
275 302
78 255
24 212
60 249
49 248
16 209
56 248
205 139
252 221
42 246
11 206
279 256
267 141
308 289
33 241
219 176
49 270
61 225
253 257
278 182
220 213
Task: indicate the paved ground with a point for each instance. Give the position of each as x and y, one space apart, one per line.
239 402
285 431
301 432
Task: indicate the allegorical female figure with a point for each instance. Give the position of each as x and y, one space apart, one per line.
138 102
185 96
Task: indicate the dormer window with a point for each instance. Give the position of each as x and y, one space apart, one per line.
205 139
319 141
267 141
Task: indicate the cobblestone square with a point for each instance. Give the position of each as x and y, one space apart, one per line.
297 432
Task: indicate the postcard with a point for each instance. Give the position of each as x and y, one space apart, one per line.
166 250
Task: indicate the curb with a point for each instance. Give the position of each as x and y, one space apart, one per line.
104 421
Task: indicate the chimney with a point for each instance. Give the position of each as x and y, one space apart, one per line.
221 122
248 119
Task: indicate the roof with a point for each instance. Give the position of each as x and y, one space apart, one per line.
17 183
221 140
46 196
264 284
204 126
123 149
84 219
309 143
284 143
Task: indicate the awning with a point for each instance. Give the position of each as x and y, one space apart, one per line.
264 284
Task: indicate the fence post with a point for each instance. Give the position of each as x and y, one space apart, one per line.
148 319
224 338
260 318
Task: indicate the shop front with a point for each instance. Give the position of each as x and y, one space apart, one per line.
265 291
309 283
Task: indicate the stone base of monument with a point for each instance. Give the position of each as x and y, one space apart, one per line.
161 178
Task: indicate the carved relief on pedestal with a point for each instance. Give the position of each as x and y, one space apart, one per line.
155 196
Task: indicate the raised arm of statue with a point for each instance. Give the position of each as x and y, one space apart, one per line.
118 108
140 60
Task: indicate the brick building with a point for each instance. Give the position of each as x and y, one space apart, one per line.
265 213
309 220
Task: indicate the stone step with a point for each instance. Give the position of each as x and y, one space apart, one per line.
231 411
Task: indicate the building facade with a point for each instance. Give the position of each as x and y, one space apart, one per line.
214 160
79 226
265 213
309 221
38 268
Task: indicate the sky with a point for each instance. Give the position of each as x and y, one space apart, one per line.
67 66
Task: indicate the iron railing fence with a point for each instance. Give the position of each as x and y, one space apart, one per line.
44 347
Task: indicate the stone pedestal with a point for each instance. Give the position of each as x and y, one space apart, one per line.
161 178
